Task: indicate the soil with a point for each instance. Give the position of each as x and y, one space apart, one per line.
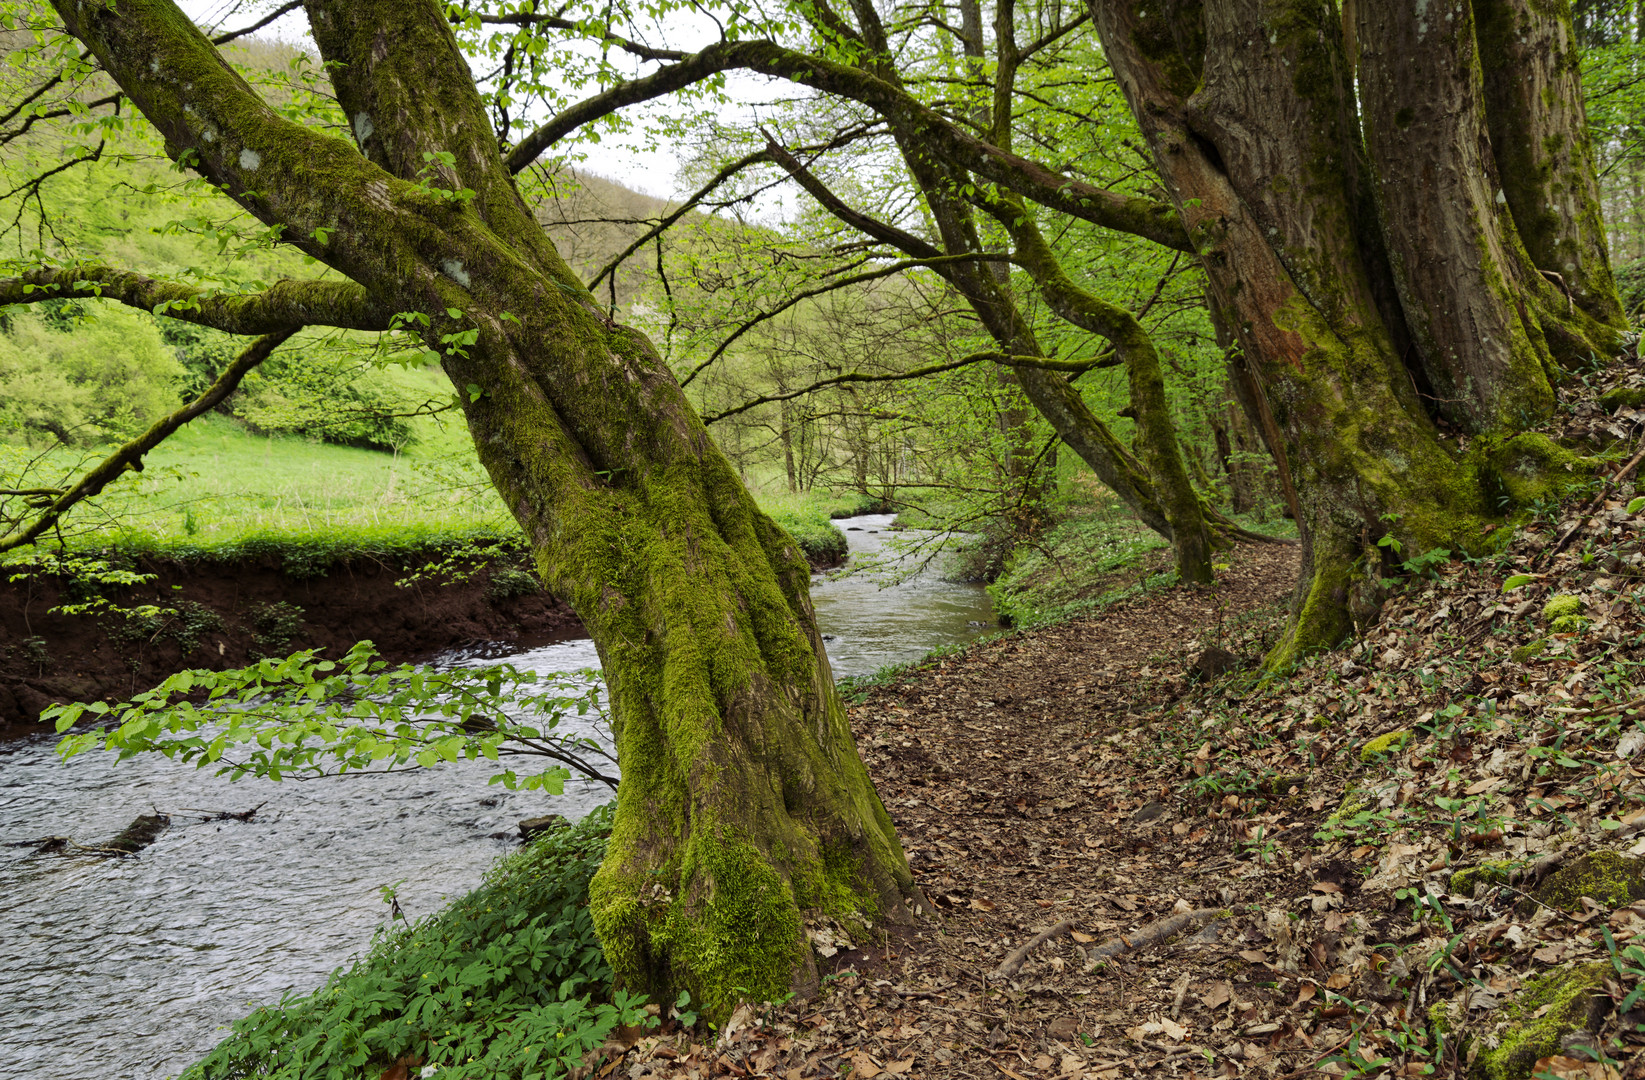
1215 901
222 615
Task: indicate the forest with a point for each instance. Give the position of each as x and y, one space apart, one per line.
1058 541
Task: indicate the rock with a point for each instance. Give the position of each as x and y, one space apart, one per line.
532 827
30 702
1149 812
1214 662
140 833
1609 878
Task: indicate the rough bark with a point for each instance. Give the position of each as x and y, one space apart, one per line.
1253 136
1462 273
744 805
1544 156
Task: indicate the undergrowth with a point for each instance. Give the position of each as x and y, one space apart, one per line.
507 981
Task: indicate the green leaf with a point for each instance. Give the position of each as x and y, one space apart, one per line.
1517 581
1636 505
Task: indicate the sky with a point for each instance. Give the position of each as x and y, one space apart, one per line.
626 158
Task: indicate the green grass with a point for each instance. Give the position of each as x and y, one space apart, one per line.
215 485
217 491
1070 570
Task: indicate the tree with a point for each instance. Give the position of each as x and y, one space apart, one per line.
744 806
1403 280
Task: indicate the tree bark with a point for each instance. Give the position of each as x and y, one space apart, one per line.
744 806
1254 136
1544 156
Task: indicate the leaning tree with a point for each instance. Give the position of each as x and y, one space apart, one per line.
1394 205
744 808
1402 280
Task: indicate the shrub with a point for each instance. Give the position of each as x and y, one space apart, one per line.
508 981
83 380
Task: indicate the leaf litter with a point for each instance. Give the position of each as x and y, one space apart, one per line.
1358 863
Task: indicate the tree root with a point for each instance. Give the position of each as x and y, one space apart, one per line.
1152 934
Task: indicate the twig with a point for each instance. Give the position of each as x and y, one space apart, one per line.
1013 963
1588 511
1152 934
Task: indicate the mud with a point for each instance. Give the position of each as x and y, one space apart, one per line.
221 615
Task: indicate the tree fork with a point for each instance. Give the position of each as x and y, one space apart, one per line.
744 807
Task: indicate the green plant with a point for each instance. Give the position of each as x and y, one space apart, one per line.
509 582
275 624
303 717
508 981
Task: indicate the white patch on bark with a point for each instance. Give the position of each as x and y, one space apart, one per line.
363 127
1501 198
453 269
1422 19
250 159
154 65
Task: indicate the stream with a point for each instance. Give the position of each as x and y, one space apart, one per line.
129 967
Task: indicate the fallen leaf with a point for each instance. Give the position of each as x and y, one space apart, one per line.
1255 956
897 1068
1083 939
1327 887
1305 993
1218 995
1043 1062
979 904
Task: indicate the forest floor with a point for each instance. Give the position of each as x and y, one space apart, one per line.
1258 878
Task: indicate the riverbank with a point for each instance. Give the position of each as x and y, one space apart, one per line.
100 624
225 613
1419 855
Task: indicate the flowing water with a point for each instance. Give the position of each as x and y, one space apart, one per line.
129 967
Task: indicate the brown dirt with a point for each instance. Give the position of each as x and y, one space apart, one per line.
1082 774
226 608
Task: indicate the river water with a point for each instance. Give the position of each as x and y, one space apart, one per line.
129 967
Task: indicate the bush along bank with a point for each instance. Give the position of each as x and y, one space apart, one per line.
103 625
507 981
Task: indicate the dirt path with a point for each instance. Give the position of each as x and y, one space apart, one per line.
1019 811
1410 855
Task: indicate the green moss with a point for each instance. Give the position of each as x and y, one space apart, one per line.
1606 877
1623 397
1387 743
1532 468
1561 606
1574 1000
1569 624
1529 651
1490 872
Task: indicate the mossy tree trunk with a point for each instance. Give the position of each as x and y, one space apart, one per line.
1249 109
744 807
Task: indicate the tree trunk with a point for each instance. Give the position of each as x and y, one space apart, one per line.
744 806
1544 156
1254 134
1248 107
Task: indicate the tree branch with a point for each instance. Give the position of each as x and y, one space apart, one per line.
130 456
916 373
840 283
1142 217
284 306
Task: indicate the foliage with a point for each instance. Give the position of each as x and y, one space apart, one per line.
78 380
303 717
507 981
